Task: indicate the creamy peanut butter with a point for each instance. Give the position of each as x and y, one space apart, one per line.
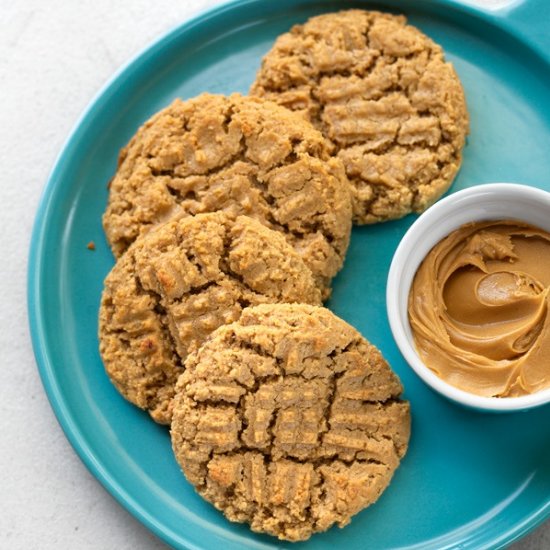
479 309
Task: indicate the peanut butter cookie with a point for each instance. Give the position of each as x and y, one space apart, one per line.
288 419
240 155
180 282
381 91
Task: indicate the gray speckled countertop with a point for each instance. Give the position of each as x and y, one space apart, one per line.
54 56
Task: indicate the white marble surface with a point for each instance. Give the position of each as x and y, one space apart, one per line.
53 57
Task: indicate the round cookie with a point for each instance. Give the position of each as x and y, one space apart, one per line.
240 155
180 282
288 419
384 96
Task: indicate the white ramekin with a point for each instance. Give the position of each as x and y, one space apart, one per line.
490 201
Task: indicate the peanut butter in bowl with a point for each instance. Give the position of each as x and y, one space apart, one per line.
479 312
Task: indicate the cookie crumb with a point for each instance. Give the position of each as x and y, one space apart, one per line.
90 245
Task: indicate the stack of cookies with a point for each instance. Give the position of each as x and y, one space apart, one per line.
229 217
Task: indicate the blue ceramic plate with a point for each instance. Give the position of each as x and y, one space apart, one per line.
469 479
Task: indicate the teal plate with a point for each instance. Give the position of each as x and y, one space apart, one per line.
469 480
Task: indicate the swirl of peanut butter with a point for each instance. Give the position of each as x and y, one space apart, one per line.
479 309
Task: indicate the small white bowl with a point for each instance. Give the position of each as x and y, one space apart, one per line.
492 201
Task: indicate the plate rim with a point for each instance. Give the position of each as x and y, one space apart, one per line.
36 260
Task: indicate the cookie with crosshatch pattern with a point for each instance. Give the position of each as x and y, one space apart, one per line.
175 285
384 96
289 420
240 155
